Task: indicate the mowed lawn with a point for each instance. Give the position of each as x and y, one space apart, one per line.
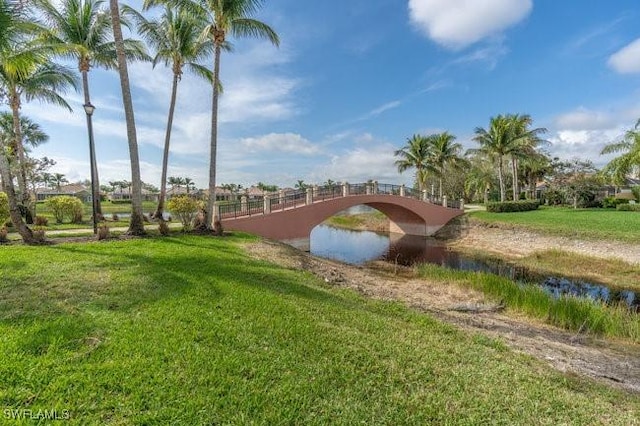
189 330
600 224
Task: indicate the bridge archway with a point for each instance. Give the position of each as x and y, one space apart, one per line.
406 215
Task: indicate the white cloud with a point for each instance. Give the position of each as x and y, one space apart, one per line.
281 142
360 164
385 107
586 144
627 59
456 24
584 119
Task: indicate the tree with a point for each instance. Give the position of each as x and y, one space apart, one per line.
136 225
42 81
301 185
444 156
176 40
505 136
222 18
415 155
58 179
189 184
81 30
524 144
618 169
32 133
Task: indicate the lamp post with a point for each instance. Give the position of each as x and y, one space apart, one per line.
89 109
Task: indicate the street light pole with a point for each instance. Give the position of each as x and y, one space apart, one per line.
89 109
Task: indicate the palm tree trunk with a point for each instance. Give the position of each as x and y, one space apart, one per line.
136 226
14 209
503 195
514 170
440 183
165 158
22 172
211 219
95 189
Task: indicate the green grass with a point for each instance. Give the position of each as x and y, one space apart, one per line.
189 330
571 313
596 224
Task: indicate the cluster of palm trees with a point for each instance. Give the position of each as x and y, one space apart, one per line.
186 33
508 138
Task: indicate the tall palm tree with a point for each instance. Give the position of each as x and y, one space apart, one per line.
444 156
629 162
415 155
222 18
526 140
81 30
136 225
42 81
176 40
497 142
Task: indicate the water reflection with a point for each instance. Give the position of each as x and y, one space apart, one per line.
359 247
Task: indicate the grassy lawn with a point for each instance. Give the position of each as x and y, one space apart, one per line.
189 330
599 224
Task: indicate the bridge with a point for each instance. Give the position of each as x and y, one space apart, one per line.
289 216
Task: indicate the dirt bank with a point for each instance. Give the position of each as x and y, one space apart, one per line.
613 363
513 242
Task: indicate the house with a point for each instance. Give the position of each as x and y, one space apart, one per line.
74 190
125 194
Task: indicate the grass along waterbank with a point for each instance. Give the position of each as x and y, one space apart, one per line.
130 325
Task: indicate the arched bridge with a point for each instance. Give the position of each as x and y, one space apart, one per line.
290 216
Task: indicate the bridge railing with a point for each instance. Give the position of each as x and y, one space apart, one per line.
297 198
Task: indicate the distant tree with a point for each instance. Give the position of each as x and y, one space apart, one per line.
301 185
444 157
58 180
415 155
627 164
189 184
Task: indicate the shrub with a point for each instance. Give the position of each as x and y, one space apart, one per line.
4 207
628 207
120 201
185 207
3 235
513 206
613 202
42 221
39 235
65 206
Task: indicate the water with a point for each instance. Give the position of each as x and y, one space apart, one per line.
359 247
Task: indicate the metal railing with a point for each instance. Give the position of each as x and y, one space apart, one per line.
285 200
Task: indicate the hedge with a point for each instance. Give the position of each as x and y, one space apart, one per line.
513 206
628 207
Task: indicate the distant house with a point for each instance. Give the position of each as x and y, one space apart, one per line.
120 194
74 190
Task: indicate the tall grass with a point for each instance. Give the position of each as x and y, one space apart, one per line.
568 312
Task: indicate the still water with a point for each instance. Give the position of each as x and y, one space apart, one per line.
359 247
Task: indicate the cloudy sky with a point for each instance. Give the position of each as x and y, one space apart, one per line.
353 79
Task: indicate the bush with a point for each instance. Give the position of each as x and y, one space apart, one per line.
613 202
513 206
185 207
103 231
120 201
65 206
4 207
42 221
163 228
628 207
3 235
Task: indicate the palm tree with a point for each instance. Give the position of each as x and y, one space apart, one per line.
32 133
526 141
189 184
415 155
176 39
444 156
81 30
629 162
43 81
136 225
497 142
222 18
300 185
58 180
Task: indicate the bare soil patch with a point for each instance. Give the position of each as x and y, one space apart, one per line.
615 363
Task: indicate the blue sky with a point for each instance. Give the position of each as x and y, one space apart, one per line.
354 79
